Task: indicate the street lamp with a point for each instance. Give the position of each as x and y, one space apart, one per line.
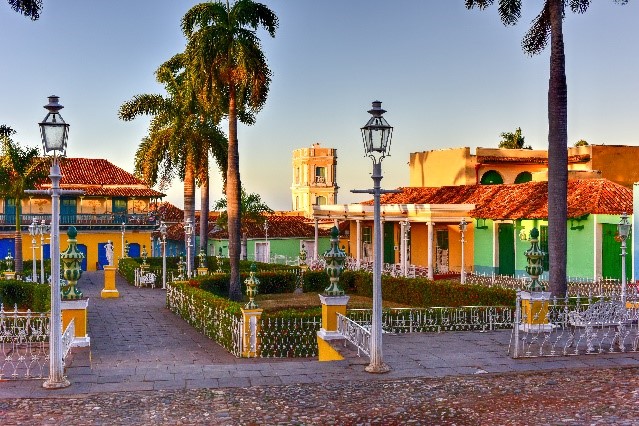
267 251
43 228
54 132
623 228
123 229
33 231
376 135
162 230
188 230
462 228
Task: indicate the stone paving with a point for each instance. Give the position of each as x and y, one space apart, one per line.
147 366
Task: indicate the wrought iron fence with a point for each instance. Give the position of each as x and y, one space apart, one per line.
24 337
438 319
212 321
281 337
67 338
575 326
354 333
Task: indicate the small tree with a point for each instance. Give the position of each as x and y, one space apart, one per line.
513 140
581 142
20 169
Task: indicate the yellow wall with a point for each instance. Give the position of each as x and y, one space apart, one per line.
91 240
442 167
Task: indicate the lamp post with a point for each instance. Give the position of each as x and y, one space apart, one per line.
54 132
162 230
33 231
267 251
623 228
123 229
376 135
462 228
188 230
43 228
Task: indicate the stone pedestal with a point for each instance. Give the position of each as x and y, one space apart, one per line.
534 311
202 271
109 283
76 310
250 338
331 306
9 275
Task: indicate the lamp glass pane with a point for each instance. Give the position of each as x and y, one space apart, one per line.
53 136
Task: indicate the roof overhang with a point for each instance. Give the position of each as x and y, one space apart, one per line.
394 212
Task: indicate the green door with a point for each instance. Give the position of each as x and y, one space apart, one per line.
119 209
506 249
389 242
10 211
68 211
611 253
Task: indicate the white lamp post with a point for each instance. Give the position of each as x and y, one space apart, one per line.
623 228
33 231
376 135
43 228
123 229
188 230
267 251
462 228
54 132
163 233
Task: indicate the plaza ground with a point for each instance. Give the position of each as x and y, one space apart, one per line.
147 366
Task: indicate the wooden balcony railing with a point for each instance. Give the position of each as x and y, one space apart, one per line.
84 220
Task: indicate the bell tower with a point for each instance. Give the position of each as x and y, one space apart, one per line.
314 178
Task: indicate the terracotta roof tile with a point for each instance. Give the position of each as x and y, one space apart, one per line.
278 227
100 177
522 201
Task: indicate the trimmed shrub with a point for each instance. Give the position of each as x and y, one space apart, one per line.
274 282
26 295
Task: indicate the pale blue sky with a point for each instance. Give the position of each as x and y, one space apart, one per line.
447 76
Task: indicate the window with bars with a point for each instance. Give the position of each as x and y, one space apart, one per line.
543 245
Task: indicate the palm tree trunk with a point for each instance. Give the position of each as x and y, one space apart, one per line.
18 238
557 153
204 213
233 201
189 202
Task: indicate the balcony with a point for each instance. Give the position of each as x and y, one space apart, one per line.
83 221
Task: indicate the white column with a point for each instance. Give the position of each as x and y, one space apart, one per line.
381 245
315 243
431 266
359 242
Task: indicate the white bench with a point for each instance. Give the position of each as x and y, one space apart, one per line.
601 314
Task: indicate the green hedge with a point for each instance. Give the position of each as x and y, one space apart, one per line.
418 292
274 282
26 295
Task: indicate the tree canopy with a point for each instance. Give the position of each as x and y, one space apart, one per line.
513 140
29 8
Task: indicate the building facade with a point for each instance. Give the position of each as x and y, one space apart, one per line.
314 178
115 206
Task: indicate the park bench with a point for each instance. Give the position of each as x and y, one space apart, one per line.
600 315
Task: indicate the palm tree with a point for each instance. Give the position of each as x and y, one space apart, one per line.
180 139
231 71
549 23
513 140
29 8
20 169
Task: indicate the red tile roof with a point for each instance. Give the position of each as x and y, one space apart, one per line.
99 177
278 227
522 201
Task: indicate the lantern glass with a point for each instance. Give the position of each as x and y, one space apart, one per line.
623 228
53 129
377 133
462 225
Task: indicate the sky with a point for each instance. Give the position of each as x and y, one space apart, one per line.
447 76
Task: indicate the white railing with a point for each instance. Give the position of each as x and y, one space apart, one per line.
354 333
576 326
438 319
67 339
24 348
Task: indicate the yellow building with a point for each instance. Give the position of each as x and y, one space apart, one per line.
314 178
457 166
115 207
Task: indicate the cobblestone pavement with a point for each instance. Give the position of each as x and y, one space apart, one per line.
568 397
146 366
